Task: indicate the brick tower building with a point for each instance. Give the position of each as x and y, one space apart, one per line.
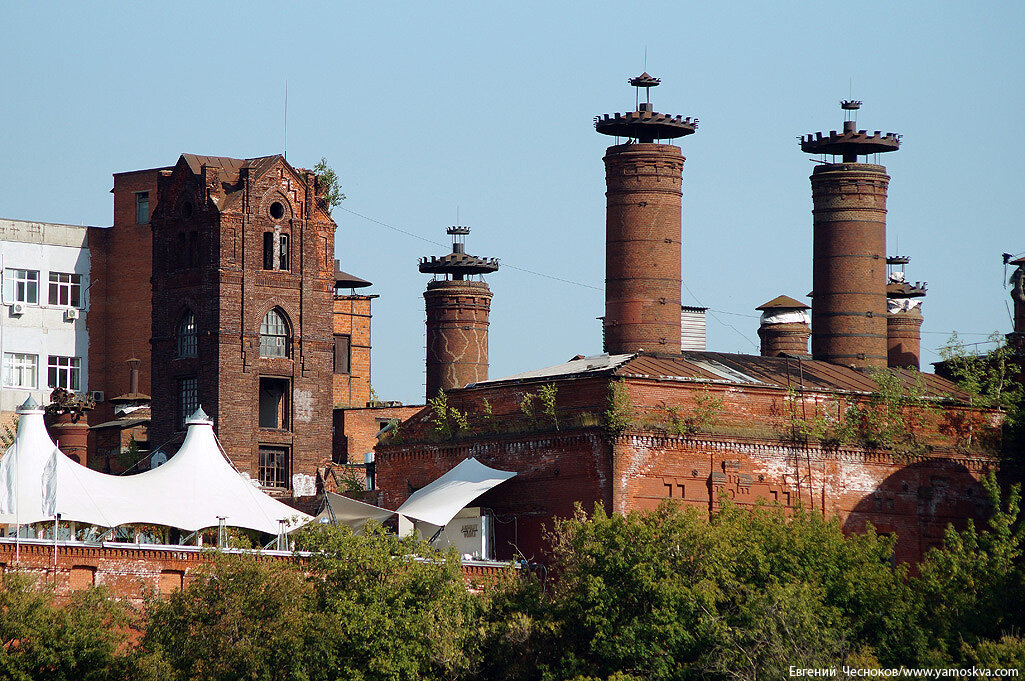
848 315
642 227
243 279
457 316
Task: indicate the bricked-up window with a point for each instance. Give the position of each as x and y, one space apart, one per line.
283 252
141 208
20 370
274 397
274 340
187 336
21 286
273 470
188 399
65 289
343 356
268 250
63 372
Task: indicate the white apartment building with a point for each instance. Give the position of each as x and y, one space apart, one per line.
43 303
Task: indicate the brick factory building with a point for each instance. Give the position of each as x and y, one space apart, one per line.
233 301
841 430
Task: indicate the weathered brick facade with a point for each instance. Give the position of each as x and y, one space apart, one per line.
748 445
120 309
352 331
237 245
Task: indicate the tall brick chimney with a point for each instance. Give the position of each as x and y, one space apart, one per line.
642 227
848 276
457 316
784 327
903 316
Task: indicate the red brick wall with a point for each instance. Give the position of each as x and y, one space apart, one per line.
746 451
120 307
132 573
356 429
230 292
352 317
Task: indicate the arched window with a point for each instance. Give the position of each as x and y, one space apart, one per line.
187 336
274 340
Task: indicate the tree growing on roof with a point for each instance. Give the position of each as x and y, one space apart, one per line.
328 184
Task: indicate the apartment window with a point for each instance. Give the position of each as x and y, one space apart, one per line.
274 335
65 289
283 252
187 335
20 370
273 469
268 250
274 394
63 372
141 208
343 353
21 286
188 399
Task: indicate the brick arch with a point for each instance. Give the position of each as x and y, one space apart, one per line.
286 317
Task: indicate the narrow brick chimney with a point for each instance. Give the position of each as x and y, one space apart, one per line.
642 227
457 317
784 327
849 248
903 317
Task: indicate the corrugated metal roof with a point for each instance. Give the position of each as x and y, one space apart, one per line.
736 369
583 365
780 372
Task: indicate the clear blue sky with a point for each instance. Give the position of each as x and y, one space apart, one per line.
429 108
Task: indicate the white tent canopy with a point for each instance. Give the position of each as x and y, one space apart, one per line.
440 501
195 489
345 511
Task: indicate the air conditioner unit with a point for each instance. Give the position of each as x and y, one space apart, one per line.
71 314
17 309
97 395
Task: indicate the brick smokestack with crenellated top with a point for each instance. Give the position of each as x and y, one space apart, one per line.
642 227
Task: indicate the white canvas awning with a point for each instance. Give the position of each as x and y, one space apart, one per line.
438 502
355 514
193 490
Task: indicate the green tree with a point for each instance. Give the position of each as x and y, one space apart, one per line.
671 594
240 618
390 608
41 639
328 184
972 589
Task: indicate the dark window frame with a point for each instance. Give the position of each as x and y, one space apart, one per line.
187 336
142 208
273 466
342 353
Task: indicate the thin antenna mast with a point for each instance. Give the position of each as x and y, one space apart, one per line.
284 134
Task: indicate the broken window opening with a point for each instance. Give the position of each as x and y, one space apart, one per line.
274 403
